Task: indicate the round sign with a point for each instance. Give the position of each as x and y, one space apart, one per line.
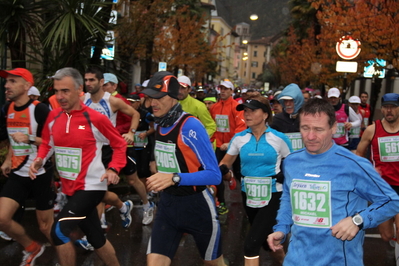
348 48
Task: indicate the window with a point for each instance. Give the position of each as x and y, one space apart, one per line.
254 64
253 75
244 31
245 73
255 53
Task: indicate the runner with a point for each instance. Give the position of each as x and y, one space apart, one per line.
24 118
382 137
326 195
76 133
229 121
186 164
261 150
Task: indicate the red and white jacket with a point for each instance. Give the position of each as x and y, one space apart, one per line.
77 138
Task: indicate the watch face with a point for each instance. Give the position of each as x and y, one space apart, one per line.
176 178
357 220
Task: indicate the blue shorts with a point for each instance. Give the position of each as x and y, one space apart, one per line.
194 214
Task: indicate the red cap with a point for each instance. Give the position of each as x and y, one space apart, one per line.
20 72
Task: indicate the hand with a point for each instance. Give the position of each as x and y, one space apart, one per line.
111 176
6 167
34 167
224 146
129 138
159 181
345 229
20 137
348 125
153 167
142 135
274 240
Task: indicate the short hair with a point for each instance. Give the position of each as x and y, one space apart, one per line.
364 92
69 72
316 106
96 70
266 102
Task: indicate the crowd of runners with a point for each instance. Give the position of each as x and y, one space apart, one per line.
296 155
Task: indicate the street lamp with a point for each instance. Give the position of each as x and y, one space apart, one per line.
244 41
253 17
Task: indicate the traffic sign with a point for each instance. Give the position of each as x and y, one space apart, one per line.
162 66
345 66
348 48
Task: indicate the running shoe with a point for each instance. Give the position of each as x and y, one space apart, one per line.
127 217
148 214
5 236
29 258
222 209
83 243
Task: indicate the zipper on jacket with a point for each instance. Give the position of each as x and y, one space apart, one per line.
68 122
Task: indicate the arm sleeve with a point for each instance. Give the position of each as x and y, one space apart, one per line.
354 118
45 149
370 186
284 215
206 119
233 148
239 120
195 136
117 143
41 113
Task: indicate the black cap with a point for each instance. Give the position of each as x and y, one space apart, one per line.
133 98
252 104
161 84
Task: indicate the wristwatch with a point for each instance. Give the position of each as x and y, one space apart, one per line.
133 130
176 179
113 170
32 139
358 220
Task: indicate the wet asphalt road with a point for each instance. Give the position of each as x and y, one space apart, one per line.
131 244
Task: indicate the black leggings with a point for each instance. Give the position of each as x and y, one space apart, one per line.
80 211
262 221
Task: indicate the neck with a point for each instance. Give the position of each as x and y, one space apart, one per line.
391 127
96 97
258 130
21 100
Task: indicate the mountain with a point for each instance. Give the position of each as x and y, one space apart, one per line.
274 15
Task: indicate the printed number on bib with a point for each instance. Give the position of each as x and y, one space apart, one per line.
68 162
222 123
19 149
311 203
259 191
389 148
296 140
165 157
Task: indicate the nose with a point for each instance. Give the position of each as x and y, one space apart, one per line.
311 135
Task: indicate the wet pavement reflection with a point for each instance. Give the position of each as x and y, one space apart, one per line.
131 244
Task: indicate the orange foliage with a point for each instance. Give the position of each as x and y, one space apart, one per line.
375 23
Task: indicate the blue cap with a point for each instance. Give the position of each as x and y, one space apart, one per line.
138 84
109 77
390 98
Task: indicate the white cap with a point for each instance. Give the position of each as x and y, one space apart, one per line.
227 84
244 91
354 99
334 92
145 83
286 97
33 91
184 81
